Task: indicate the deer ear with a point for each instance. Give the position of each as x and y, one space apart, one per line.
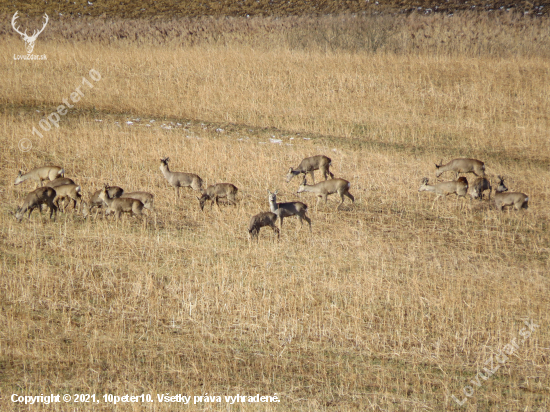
276 191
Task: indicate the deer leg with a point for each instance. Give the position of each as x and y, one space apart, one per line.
53 209
275 230
308 220
348 194
319 197
312 176
437 197
342 201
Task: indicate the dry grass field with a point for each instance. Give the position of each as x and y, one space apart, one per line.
388 305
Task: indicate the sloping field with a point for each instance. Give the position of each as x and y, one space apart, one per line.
386 305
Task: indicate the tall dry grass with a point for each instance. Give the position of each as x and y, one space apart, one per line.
387 305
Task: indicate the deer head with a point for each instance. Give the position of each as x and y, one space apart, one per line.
29 40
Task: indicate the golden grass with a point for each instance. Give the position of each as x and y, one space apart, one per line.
388 305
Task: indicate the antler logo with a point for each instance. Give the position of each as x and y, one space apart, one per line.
29 40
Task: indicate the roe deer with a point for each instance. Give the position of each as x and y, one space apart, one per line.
217 191
113 192
288 209
119 204
60 181
326 188
261 220
474 166
504 198
39 174
72 192
309 164
35 199
458 187
145 197
179 179
480 185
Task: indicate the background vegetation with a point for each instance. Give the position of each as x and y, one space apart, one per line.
387 305
160 9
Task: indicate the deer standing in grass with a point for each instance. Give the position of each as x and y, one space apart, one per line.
474 166
145 197
480 185
260 220
218 191
443 189
309 164
39 174
503 198
35 199
328 187
113 192
121 205
179 179
288 209
72 192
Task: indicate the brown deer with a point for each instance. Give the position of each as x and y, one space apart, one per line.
309 164
145 197
60 181
328 187
218 191
474 166
35 199
288 209
503 198
443 189
113 192
39 174
480 185
260 220
72 192
120 205
179 179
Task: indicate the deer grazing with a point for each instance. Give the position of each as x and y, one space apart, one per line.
480 185
458 187
504 198
39 174
309 164
328 187
144 197
35 199
218 191
29 40
474 166
113 192
288 209
72 192
120 205
260 220
179 179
